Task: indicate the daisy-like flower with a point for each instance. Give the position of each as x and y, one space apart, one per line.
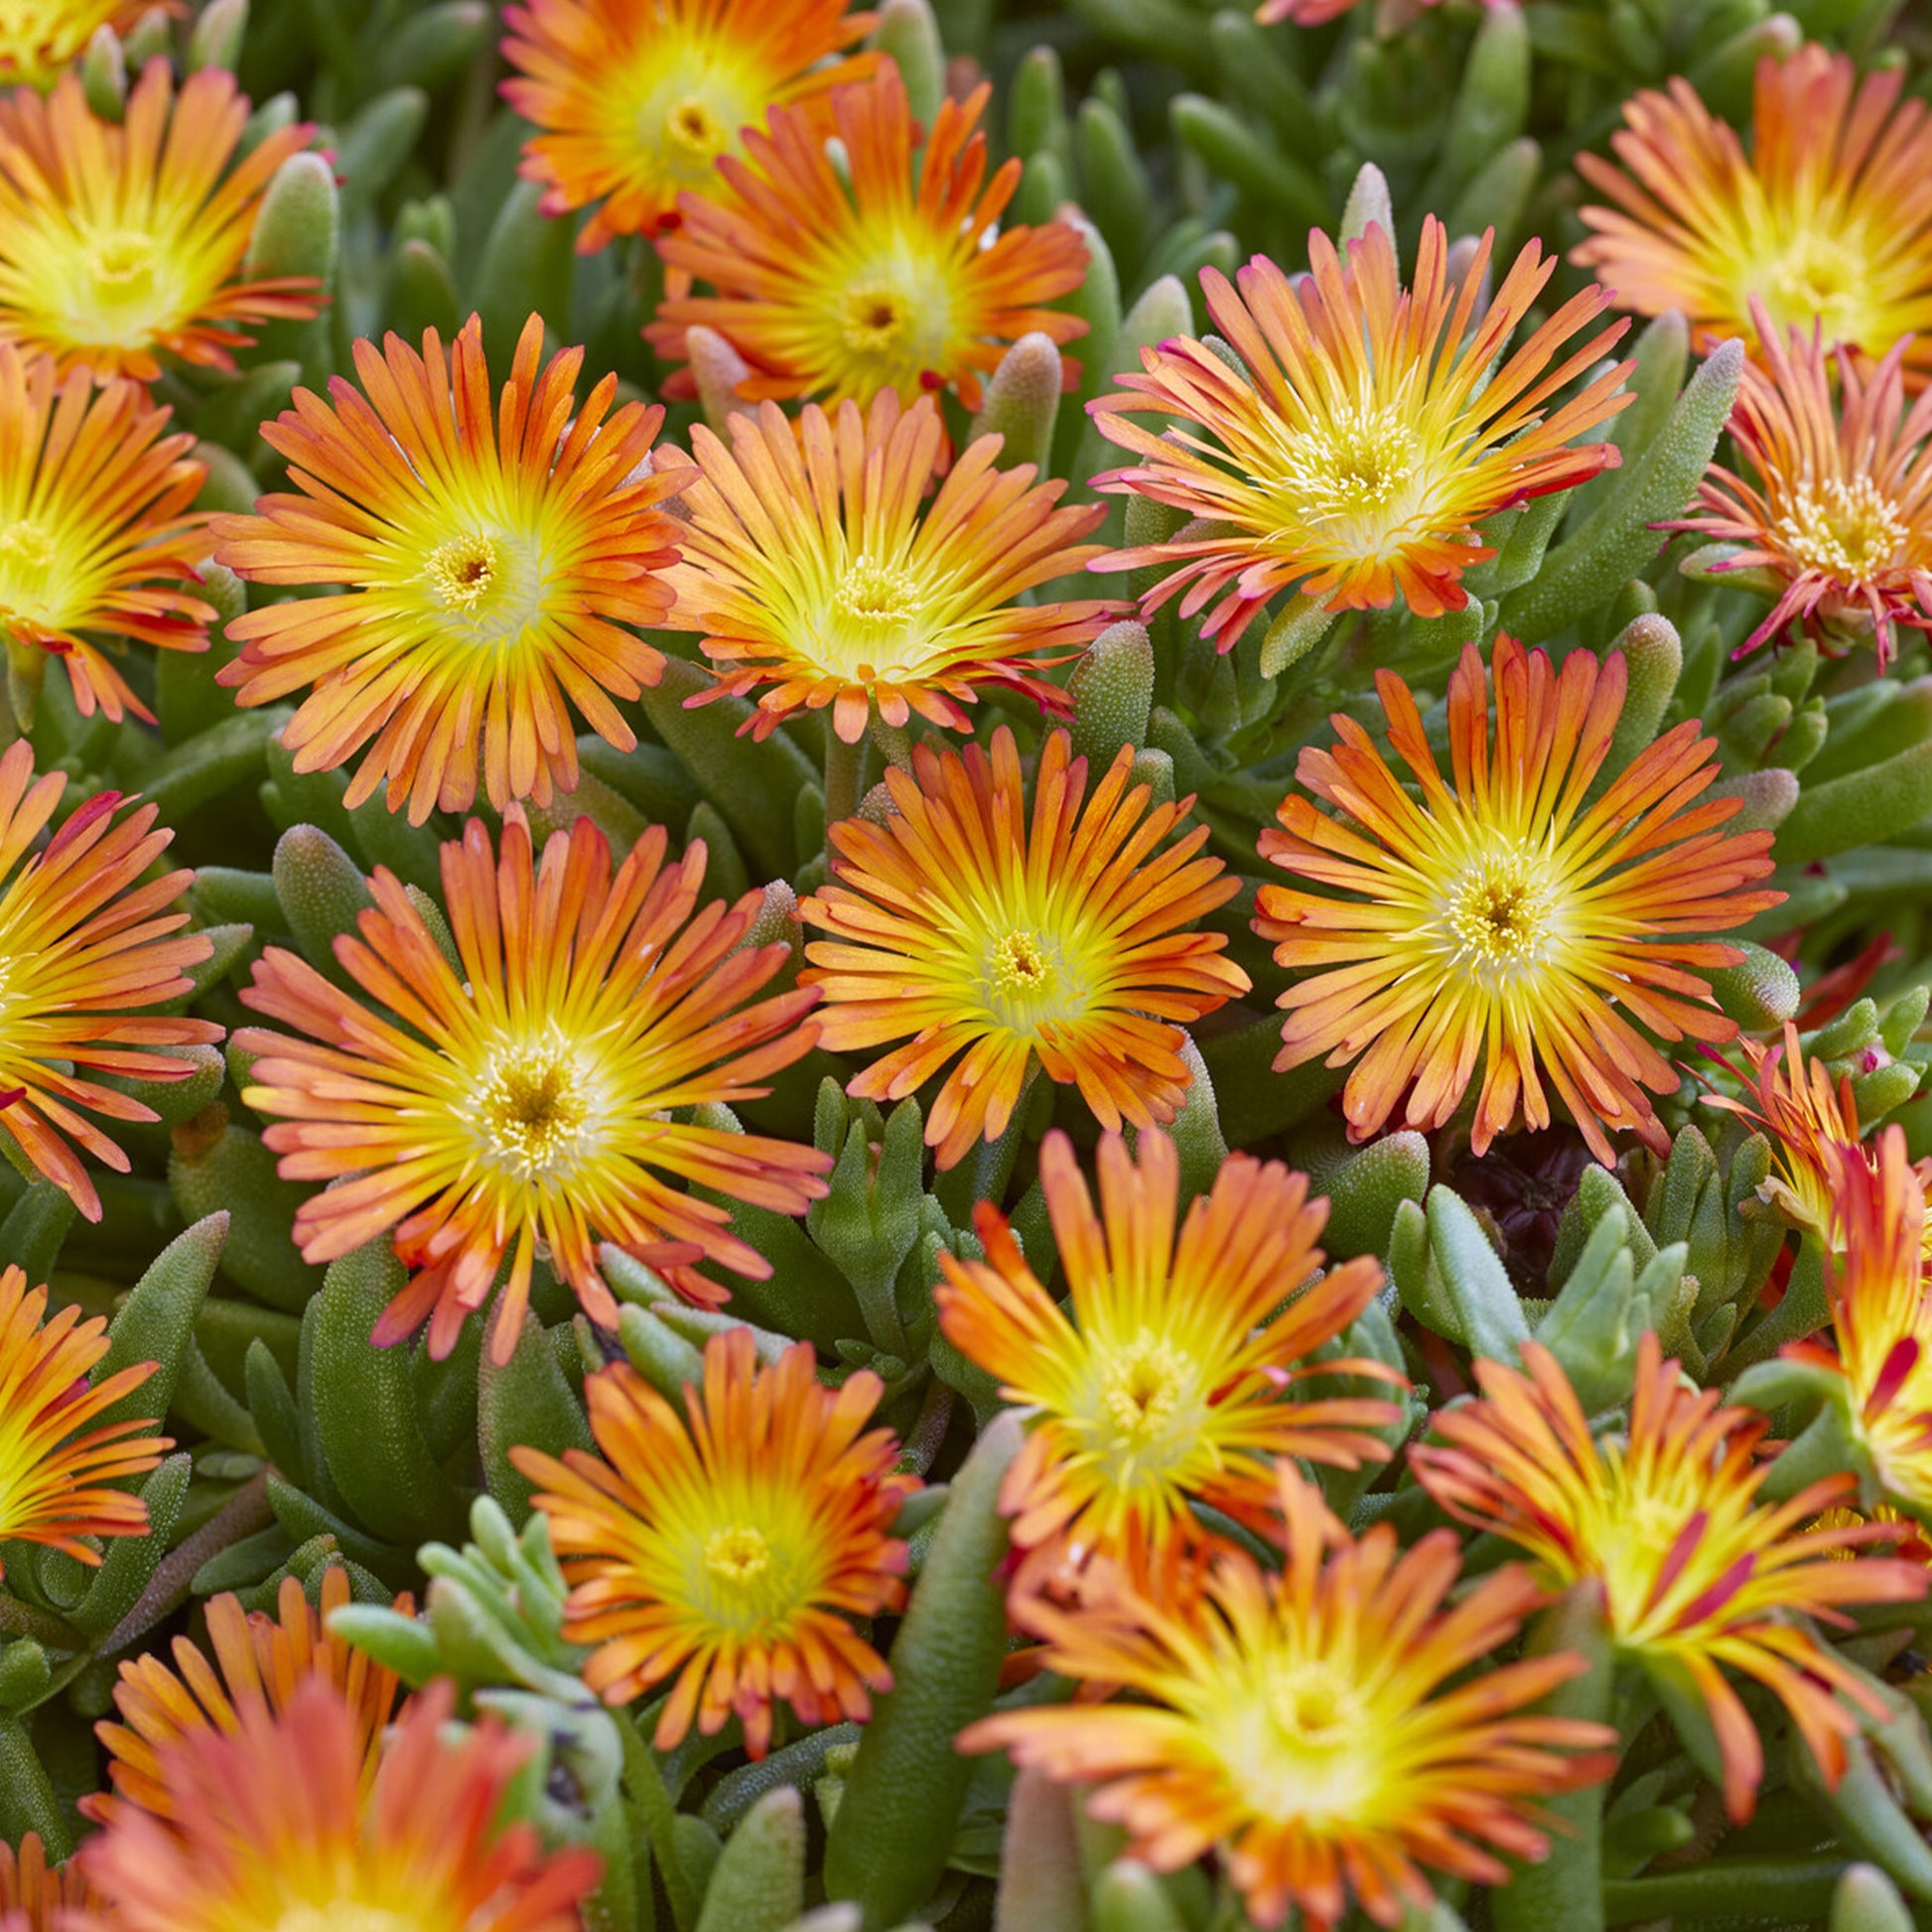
38 1897
39 38
817 569
85 940
1839 516
977 935
1828 222
634 104
1374 429
1501 917
121 242
901 278
275 1825
522 1097
496 552
57 1477
1698 1575
95 530
254 1663
727 1544
1297 1724
1167 1375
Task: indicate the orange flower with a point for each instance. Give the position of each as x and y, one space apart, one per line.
524 1097
1166 1376
1506 918
635 104
258 1664
96 528
275 1826
37 38
122 242
84 941
59 1481
1374 429
494 556
1829 222
1698 1575
1297 1725
727 1544
817 568
962 929
903 278
38 1897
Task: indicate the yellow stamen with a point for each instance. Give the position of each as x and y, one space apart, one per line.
1845 527
534 1108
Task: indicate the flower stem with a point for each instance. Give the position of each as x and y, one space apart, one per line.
843 764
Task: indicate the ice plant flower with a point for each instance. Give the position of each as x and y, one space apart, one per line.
1828 222
1004 943
816 567
1698 1575
275 1826
634 104
59 1479
38 1897
904 278
496 552
1501 917
1835 519
123 242
1297 1725
253 1663
39 38
1170 1373
1374 430
523 1096
96 532
85 941
726 1546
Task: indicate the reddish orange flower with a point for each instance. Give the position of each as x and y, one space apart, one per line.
37 38
901 277
38 1897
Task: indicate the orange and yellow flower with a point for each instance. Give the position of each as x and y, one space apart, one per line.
1839 519
1374 430
121 242
495 555
254 1663
1698 1575
903 278
39 38
97 533
817 568
1169 1374
978 937
59 1479
1506 920
85 937
1297 1725
521 1097
634 104
38 1897
276 1825
729 1543
1828 222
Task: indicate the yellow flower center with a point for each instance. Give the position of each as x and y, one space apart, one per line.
38 37
692 128
489 586
888 322
464 570
685 108
345 1916
1304 1743
1499 915
27 557
112 288
871 627
745 1579
1358 465
1846 528
876 319
878 595
737 1556
1143 1388
1818 276
536 1110
1026 981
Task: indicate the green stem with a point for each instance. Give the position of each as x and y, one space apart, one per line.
1803 1311
657 1816
843 766
1786 1890
28 1802
895 743
18 1619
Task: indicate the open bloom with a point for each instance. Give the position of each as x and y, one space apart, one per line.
817 569
85 941
494 552
96 534
728 1545
974 935
1697 1575
901 278
38 1897
254 1663
1839 515
1297 1725
632 104
121 242
275 1825
1170 1373
1374 429
59 1479
525 1094
1504 919
1828 222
